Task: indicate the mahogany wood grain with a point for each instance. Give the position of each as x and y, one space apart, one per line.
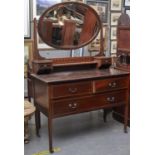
54 98
123 38
88 103
123 43
123 50
82 75
72 60
41 93
110 84
71 89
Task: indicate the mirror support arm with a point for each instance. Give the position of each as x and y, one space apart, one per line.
101 40
36 55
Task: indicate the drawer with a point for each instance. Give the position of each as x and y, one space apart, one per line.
71 89
65 107
110 84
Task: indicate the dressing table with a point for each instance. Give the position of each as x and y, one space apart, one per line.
72 85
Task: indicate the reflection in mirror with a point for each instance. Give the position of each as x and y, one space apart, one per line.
54 54
68 25
50 54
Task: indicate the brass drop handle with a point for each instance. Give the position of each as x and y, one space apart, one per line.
111 99
112 84
73 105
72 90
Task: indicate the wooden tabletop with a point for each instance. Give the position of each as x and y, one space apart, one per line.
79 75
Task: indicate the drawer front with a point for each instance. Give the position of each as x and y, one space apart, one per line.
71 89
64 107
110 84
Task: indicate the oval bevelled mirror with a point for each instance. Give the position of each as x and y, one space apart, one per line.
69 25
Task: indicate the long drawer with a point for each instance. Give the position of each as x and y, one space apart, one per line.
110 84
64 107
71 89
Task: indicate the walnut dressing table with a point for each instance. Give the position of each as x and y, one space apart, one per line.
66 86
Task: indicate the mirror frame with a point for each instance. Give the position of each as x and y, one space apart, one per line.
71 47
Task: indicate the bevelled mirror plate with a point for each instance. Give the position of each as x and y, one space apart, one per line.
69 25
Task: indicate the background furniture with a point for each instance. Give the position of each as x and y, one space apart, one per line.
29 110
123 56
123 43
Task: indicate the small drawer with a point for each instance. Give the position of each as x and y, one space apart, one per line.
65 107
110 84
71 89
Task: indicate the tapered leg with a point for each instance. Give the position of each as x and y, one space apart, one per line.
37 121
105 115
37 112
26 130
125 118
50 133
